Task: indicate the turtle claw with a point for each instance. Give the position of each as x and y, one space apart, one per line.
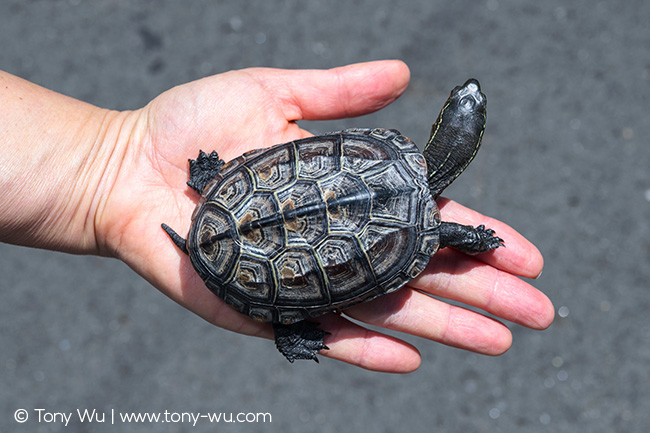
468 239
487 240
300 340
203 169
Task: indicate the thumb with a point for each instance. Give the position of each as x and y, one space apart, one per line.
347 91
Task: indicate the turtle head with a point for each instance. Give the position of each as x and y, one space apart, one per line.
456 135
468 104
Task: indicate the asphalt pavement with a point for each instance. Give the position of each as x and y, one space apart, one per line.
565 161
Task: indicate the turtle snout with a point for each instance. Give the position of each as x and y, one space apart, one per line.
471 98
472 85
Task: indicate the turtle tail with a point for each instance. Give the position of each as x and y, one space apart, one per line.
176 238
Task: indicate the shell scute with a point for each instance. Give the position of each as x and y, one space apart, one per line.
304 213
346 267
274 168
318 159
300 281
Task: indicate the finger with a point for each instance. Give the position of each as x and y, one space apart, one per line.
346 91
356 345
416 313
519 257
456 276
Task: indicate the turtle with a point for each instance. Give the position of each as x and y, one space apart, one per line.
291 232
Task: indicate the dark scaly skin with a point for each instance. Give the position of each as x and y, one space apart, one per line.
455 136
203 170
300 340
455 140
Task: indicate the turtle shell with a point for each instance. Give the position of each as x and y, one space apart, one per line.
315 225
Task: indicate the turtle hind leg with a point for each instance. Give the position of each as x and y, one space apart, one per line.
468 239
300 340
203 169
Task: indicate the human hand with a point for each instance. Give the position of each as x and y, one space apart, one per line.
138 181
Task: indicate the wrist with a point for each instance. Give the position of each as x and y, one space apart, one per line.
111 164
55 161
106 143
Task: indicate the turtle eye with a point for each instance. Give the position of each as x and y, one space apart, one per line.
467 102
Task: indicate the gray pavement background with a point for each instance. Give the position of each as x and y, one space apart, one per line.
565 161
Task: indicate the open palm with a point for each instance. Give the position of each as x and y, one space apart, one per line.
242 110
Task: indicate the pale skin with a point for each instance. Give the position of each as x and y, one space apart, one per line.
85 180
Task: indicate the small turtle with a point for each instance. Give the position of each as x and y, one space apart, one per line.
289 233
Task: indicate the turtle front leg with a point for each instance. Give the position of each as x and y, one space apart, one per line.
300 340
468 239
203 169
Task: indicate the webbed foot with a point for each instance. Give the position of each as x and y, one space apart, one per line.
203 169
300 340
468 239
487 239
